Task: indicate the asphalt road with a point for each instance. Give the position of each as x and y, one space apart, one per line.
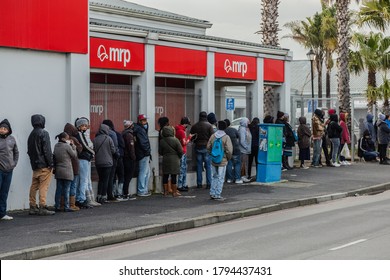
352 228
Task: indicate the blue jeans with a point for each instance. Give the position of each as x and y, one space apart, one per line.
73 186
234 164
202 156
182 180
335 148
217 180
5 183
317 146
85 180
63 189
143 176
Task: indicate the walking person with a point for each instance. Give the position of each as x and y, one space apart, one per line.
41 160
383 139
84 191
71 130
304 135
184 140
334 133
171 151
318 128
345 137
104 160
143 155
63 154
219 169
202 132
233 168
129 159
9 156
254 129
245 140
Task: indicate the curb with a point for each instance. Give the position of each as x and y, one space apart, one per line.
156 229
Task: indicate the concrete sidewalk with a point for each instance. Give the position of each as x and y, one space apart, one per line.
34 237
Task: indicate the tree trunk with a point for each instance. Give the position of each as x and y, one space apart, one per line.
343 39
268 101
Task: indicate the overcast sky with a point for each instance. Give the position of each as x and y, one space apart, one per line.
239 19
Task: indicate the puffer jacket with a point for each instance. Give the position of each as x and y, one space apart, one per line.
104 147
317 126
227 146
234 137
171 151
142 143
38 144
383 132
63 155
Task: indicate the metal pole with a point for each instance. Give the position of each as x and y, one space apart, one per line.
312 80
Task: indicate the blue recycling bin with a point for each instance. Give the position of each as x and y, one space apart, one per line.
270 153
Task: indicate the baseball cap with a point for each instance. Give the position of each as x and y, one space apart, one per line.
142 117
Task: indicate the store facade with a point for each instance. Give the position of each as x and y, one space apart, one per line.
139 60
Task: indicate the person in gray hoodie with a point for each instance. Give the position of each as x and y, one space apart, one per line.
9 156
219 170
245 140
104 152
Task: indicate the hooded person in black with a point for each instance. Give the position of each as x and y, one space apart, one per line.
9 156
41 159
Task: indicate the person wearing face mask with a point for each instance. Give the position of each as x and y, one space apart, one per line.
184 140
143 154
9 156
63 154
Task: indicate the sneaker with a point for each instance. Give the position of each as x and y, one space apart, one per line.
219 198
304 166
33 210
284 169
239 181
343 163
122 198
94 203
113 199
144 194
7 218
183 189
347 163
245 180
335 164
44 212
317 166
229 181
131 197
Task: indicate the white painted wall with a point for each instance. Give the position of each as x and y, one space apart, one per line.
34 82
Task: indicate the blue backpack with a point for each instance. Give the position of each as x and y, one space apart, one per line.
217 151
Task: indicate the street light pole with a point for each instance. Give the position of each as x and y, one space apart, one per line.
311 56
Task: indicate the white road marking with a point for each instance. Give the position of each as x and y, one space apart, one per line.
347 245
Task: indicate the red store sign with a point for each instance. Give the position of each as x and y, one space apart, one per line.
180 61
113 54
235 66
273 70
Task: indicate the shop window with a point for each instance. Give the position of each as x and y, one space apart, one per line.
109 99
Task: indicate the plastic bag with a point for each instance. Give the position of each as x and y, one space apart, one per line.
345 151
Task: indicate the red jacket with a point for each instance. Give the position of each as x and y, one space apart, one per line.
181 135
345 137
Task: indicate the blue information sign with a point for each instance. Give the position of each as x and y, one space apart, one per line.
229 104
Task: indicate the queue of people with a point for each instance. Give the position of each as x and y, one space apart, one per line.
121 156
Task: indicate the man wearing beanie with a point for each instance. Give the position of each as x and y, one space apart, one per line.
212 120
9 156
129 159
202 132
84 188
219 170
383 138
318 128
41 159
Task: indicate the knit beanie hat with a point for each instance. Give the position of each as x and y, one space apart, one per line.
127 123
211 118
331 112
381 116
82 121
279 114
222 125
227 122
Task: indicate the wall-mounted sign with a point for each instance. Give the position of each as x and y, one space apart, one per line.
273 70
180 61
235 66
114 54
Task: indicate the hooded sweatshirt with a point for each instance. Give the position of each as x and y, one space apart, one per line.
369 124
304 134
345 137
227 146
245 136
104 147
38 144
9 153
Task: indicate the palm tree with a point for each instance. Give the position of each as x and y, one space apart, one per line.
384 91
373 55
269 28
375 13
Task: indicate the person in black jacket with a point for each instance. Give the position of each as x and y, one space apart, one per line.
143 155
254 129
366 147
129 159
383 138
233 169
334 131
41 159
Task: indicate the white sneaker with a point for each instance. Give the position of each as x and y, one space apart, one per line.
7 218
347 163
245 180
342 163
239 181
335 164
229 181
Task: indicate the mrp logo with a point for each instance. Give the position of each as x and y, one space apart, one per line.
235 67
114 54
